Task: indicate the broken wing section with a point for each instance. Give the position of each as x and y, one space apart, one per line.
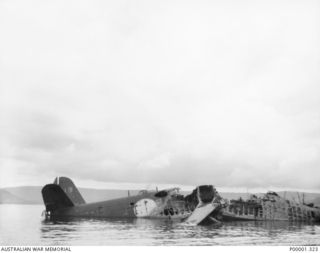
205 203
201 213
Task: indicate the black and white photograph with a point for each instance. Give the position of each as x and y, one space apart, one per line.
159 123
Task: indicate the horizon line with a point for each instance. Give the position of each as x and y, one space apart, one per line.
190 188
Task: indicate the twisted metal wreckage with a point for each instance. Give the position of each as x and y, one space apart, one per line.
203 206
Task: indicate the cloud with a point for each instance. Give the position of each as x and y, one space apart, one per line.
182 93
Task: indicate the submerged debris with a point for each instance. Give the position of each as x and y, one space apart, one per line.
270 207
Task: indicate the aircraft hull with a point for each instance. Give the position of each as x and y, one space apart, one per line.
63 200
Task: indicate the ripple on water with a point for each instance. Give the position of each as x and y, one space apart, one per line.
22 225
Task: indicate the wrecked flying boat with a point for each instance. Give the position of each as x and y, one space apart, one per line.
203 206
63 199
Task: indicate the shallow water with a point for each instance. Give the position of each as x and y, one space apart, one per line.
23 225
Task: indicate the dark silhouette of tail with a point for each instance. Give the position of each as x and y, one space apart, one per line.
55 198
61 194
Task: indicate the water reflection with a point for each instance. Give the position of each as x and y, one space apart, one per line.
22 225
166 232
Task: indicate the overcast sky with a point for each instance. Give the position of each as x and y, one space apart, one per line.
125 93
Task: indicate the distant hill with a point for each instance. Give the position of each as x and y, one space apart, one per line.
299 196
234 195
94 195
8 198
32 195
316 201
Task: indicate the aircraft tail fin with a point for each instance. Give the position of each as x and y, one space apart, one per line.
55 198
70 190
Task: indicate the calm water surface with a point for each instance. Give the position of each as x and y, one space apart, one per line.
23 225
